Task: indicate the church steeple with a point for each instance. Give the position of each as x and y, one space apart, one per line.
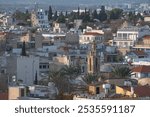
93 60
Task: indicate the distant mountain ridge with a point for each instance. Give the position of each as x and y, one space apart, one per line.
71 2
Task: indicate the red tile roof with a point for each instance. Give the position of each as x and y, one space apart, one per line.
141 91
144 69
146 37
92 33
140 53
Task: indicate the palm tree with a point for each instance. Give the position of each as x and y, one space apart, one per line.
70 73
58 79
91 78
121 72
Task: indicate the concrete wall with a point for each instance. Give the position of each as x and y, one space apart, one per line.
27 68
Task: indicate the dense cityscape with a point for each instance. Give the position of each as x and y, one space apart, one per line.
93 51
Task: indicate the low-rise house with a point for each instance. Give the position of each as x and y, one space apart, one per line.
43 92
147 18
59 28
110 54
137 54
72 38
141 72
143 44
140 92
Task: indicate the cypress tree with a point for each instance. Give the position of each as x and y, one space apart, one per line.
36 79
50 13
24 49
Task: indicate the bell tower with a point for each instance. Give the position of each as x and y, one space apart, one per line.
93 60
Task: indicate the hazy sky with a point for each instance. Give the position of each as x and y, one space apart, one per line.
67 2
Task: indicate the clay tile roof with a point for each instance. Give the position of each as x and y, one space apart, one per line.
141 91
140 53
144 69
92 33
146 37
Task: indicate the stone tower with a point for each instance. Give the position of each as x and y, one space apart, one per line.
93 60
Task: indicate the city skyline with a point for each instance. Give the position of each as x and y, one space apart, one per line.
73 2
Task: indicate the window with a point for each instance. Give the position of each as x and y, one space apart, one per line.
119 35
97 90
126 44
44 66
40 66
124 36
22 92
145 75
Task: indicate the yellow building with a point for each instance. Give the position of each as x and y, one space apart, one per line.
15 92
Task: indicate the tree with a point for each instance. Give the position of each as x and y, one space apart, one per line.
70 73
61 18
36 79
116 13
50 13
18 15
102 14
55 16
121 72
23 53
90 78
86 16
58 79
66 14
78 13
95 14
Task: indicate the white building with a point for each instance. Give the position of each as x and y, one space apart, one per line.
127 36
89 37
59 28
40 19
27 68
147 18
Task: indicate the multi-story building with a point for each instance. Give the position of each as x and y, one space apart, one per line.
27 69
127 36
39 19
90 37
